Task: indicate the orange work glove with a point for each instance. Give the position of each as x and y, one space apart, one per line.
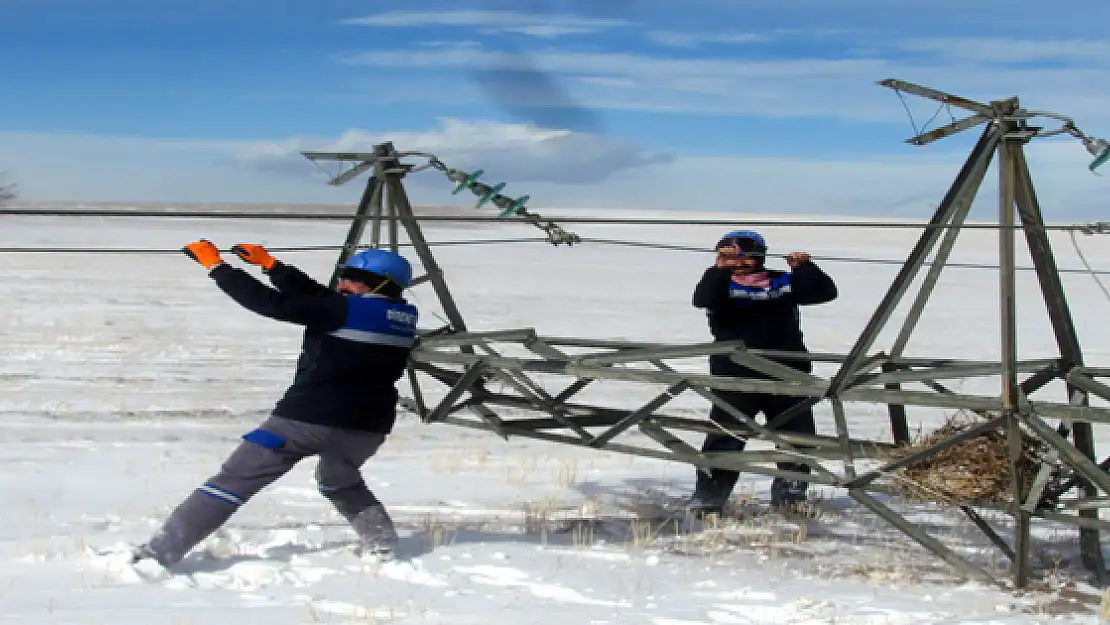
254 254
203 252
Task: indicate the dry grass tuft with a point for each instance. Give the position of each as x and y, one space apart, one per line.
977 470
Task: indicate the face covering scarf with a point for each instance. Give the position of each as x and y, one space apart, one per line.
759 279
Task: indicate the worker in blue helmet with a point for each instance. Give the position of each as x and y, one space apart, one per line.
745 300
340 407
375 267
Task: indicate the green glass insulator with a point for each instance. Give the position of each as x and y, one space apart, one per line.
516 207
489 196
1100 160
469 180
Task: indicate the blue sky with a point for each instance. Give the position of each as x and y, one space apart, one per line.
760 105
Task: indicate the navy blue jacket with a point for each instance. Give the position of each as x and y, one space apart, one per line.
761 318
355 348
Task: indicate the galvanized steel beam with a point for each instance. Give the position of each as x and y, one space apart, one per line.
464 360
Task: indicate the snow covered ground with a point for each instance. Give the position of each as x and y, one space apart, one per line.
126 378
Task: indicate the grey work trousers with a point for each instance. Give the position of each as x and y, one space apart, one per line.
266 454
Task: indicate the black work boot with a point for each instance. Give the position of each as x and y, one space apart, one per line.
710 494
786 492
703 505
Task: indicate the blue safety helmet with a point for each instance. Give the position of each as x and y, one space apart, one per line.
383 263
749 242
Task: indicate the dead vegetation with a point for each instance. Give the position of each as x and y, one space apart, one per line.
974 471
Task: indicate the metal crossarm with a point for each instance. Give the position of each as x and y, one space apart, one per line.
938 96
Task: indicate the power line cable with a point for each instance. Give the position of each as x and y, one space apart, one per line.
599 241
633 221
305 248
1094 273
839 259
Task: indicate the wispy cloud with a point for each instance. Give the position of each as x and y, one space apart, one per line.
828 69
618 80
707 59
532 24
835 84
1006 50
675 39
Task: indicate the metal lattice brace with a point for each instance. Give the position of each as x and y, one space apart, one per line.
464 361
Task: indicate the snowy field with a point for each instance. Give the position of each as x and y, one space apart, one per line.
125 379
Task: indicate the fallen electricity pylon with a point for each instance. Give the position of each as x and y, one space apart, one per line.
1067 483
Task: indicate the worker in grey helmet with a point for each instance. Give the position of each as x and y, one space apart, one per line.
746 301
340 407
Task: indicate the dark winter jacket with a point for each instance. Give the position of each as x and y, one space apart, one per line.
761 318
355 348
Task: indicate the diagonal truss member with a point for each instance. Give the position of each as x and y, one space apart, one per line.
539 380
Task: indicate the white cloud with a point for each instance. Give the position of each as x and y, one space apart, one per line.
535 25
521 152
557 169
